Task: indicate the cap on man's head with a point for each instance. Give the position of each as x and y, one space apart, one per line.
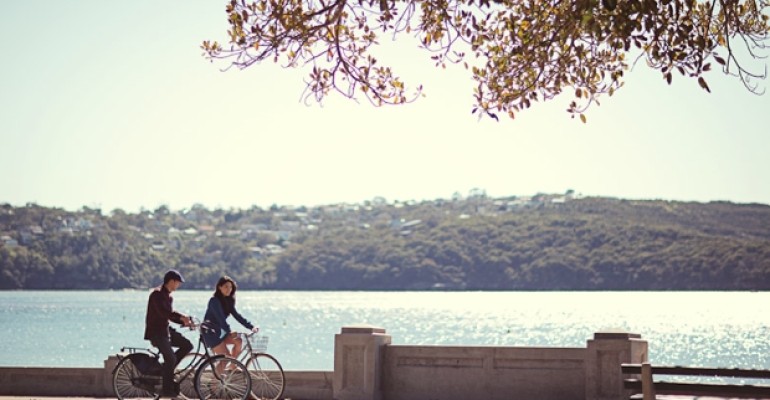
172 274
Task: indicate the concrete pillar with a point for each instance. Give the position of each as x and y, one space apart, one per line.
109 365
605 352
358 362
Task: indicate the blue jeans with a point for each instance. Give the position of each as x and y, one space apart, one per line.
171 358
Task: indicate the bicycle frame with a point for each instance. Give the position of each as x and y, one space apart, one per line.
267 376
184 373
154 353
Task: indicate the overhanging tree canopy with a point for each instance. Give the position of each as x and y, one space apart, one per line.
518 51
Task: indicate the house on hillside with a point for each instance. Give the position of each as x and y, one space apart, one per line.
290 226
8 241
273 249
257 252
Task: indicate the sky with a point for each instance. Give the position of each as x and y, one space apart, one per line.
108 104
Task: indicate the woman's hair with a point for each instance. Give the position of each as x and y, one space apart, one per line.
228 302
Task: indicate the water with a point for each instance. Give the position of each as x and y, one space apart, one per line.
81 328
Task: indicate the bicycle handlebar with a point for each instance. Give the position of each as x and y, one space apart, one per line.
195 323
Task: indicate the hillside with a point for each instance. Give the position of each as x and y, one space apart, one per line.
543 242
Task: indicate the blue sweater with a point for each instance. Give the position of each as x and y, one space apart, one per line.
216 322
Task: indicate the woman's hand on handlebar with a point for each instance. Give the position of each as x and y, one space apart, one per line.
254 330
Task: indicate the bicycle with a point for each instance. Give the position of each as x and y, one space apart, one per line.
216 376
268 380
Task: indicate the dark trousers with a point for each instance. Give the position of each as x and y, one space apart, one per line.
171 358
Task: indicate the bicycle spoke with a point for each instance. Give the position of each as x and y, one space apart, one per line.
129 383
267 377
185 376
234 383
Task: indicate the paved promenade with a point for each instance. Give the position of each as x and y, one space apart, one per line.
50 398
662 397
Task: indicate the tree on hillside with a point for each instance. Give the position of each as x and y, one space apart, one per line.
521 51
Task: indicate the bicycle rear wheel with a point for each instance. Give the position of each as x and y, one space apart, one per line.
129 383
185 378
267 378
223 378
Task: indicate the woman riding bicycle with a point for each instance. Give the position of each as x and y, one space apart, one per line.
218 334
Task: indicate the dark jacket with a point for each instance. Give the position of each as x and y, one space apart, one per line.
216 322
159 311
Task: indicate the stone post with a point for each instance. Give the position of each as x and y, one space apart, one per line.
109 365
358 362
605 352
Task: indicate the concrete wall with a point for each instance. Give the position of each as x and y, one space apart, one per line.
311 385
41 381
97 382
368 367
491 373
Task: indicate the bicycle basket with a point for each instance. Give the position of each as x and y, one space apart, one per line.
258 343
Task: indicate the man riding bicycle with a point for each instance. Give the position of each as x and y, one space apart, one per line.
159 312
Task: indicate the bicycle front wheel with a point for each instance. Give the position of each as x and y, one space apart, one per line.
129 383
223 378
267 378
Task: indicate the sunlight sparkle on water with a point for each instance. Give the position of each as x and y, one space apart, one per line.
724 329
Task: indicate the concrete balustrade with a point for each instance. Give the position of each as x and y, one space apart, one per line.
367 366
358 355
608 350
491 373
48 381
